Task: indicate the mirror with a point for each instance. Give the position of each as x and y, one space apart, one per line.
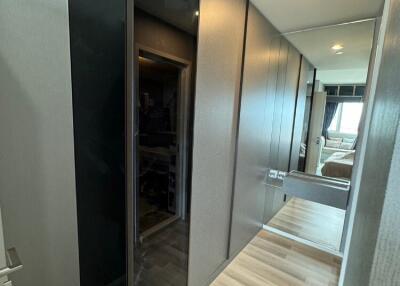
315 93
333 110
165 49
328 117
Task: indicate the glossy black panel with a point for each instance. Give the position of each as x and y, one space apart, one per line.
97 59
165 49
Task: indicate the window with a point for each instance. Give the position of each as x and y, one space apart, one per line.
347 118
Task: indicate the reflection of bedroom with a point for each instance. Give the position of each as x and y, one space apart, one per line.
340 132
332 111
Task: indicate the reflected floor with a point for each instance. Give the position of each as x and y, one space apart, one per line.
311 221
270 259
162 258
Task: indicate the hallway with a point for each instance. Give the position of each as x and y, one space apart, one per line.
270 259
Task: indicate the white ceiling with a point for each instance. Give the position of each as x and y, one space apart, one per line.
356 39
315 45
292 15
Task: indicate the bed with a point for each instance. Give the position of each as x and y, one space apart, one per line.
339 165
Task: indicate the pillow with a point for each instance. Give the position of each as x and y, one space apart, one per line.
346 146
337 139
332 143
349 140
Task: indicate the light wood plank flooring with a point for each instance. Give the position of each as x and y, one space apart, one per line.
311 221
270 259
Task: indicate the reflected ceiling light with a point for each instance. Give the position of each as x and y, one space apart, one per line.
339 53
337 47
197 13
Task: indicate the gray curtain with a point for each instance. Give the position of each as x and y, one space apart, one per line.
330 110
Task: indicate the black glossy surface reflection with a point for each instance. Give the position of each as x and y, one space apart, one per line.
97 58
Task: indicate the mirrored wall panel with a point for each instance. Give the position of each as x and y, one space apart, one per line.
329 107
165 60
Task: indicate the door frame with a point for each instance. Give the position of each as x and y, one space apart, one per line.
182 134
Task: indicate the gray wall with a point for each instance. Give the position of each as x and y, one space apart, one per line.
254 131
221 34
37 183
374 240
386 265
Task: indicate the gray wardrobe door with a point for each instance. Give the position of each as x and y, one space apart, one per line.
288 108
305 72
274 199
220 51
283 118
272 81
249 190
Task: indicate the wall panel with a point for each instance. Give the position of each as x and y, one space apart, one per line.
288 110
272 80
220 47
373 245
97 37
37 180
253 139
305 75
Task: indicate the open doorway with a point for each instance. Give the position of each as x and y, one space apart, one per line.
161 172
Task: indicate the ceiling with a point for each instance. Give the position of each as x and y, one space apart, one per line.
179 13
315 44
293 15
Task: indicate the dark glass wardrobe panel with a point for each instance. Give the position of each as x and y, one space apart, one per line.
98 67
165 49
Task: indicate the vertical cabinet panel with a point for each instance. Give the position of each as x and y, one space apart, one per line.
37 180
272 81
97 38
221 34
254 125
306 71
274 200
288 108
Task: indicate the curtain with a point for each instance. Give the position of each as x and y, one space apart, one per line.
330 110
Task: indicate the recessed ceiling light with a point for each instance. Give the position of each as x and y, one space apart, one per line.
339 53
197 13
337 47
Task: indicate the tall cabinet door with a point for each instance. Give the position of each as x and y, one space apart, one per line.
254 130
220 47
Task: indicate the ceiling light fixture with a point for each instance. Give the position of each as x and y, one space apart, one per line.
339 53
197 13
337 47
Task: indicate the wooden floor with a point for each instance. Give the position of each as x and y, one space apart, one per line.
270 259
311 221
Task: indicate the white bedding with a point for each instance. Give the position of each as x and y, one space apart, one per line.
339 165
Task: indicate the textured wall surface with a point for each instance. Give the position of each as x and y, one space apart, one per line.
254 133
373 241
221 34
37 181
